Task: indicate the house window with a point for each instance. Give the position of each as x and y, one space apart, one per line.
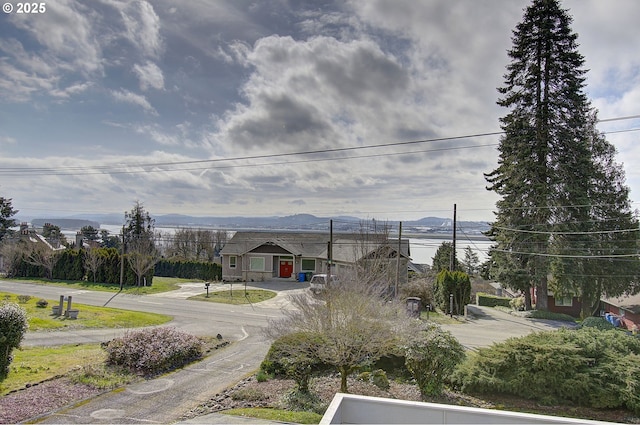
256 264
308 265
564 301
232 261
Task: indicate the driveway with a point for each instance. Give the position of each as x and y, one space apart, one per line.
489 325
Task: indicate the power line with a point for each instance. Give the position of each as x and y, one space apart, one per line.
542 254
121 168
539 232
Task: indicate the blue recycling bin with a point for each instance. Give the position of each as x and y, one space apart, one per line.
301 277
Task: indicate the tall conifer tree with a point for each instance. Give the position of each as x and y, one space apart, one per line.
564 203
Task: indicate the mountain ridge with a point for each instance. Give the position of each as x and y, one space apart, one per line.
290 222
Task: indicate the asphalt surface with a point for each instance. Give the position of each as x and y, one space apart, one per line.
166 399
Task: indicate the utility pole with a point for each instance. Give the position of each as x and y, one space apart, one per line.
330 250
122 261
453 248
395 291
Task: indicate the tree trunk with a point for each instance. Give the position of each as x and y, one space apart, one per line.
344 372
542 294
527 300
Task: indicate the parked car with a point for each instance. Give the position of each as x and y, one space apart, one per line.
319 282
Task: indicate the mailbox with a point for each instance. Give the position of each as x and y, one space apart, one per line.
413 306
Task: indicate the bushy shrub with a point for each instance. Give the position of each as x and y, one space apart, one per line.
42 303
598 323
13 326
517 303
152 351
453 283
303 401
585 367
420 288
262 376
379 379
294 356
431 355
23 299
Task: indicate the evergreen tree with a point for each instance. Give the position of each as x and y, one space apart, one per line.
442 258
6 214
138 224
139 234
562 192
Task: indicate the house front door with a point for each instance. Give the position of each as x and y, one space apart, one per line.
286 268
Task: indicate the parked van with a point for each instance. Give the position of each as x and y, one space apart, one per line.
318 282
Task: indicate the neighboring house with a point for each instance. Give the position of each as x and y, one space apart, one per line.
30 236
259 256
626 308
570 305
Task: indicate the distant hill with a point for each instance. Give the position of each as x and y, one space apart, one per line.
308 222
65 223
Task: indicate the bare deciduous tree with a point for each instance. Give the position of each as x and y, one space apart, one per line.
42 255
11 252
92 261
142 256
356 325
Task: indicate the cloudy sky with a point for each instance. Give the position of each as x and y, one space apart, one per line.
253 108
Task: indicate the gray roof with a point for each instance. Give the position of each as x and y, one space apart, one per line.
346 247
627 302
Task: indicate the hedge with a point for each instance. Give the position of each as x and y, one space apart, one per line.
188 270
492 300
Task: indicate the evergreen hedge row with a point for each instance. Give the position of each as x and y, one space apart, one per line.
70 266
189 270
492 300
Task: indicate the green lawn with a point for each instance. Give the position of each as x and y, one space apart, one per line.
441 318
160 284
36 364
237 296
277 415
88 316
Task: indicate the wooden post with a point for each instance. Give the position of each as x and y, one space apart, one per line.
66 313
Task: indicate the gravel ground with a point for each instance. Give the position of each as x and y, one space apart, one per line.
45 397
55 394
271 393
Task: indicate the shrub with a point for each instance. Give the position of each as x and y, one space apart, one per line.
379 379
294 356
42 303
13 326
588 367
152 351
421 288
598 323
23 299
301 401
262 376
431 355
517 303
453 283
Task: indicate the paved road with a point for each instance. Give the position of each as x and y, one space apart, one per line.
165 399
490 325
